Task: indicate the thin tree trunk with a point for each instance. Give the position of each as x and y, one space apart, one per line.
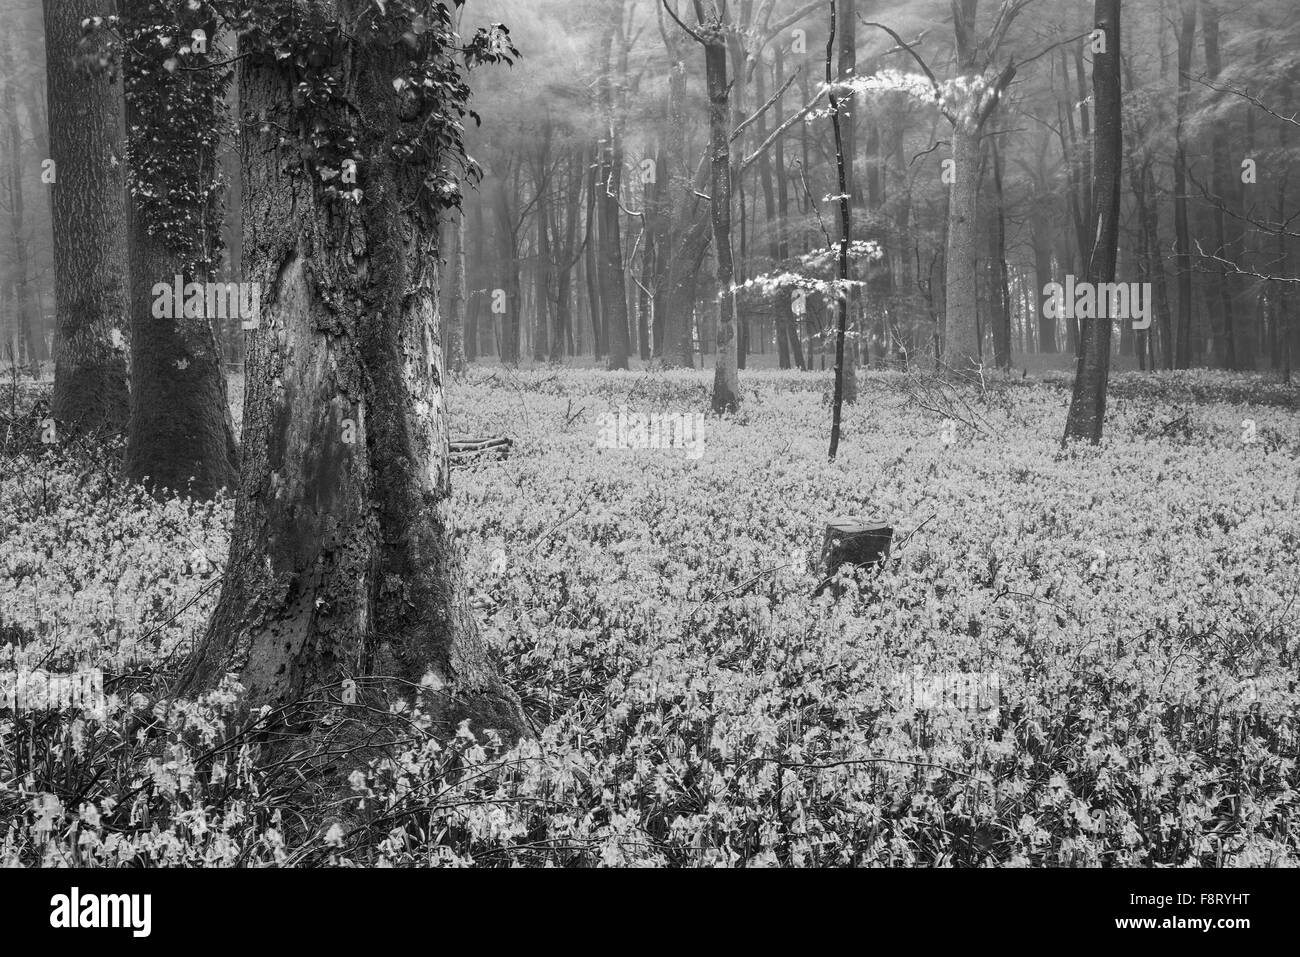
459 294
1183 243
1088 406
846 233
1227 193
508 266
1001 278
542 280
726 381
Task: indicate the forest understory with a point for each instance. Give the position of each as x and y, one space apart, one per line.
1135 605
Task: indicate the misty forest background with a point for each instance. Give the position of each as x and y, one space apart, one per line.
592 223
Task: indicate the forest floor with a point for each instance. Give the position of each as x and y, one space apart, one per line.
1129 614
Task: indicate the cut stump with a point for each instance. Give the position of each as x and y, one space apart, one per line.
860 542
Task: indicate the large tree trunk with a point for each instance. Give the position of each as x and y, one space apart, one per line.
89 219
1088 406
181 436
342 558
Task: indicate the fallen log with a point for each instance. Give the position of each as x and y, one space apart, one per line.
465 452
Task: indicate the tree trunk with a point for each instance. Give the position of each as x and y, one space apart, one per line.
690 233
508 272
1088 407
564 305
89 224
459 295
843 297
613 280
29 341
590 265
342 559
181 435
542 280
1182 232
1042 240
1227 193
1001 278
961 345
726 381
660 233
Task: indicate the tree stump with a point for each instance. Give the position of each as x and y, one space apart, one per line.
860 542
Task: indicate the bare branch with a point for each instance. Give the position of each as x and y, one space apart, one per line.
925 67
780 130
766 106
678 20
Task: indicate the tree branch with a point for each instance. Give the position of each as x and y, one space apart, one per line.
925 67
678 20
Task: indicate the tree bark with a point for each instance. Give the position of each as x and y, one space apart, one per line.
1001 278
1227 194
508 273
180 436
1088 406
89 224
28 341
613 280
1182 232
342 559
459 295
726 380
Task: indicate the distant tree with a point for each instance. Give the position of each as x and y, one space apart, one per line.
456 361
842 164
711 33
615 46
1182 228
1088 406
